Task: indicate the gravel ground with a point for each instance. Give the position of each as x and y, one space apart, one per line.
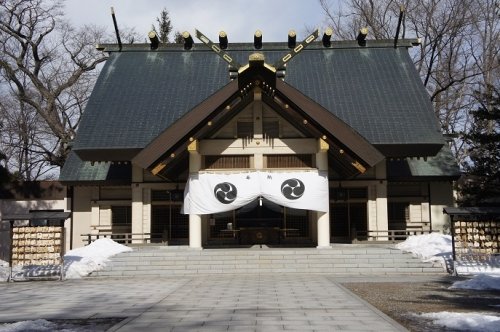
401 301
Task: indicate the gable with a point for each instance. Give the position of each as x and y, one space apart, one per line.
271 125
258 83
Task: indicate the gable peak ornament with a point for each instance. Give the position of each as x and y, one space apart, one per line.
257 67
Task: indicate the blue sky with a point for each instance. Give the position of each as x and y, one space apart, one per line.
239 18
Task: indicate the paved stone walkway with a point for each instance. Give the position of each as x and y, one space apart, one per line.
204 303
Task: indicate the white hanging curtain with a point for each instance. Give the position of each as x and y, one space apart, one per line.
208 193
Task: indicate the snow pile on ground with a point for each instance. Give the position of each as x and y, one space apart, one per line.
433 247
32 325
464 321
42 325
479 282
81 262
437 247
78 262
484 265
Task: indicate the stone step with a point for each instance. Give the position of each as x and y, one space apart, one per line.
355 259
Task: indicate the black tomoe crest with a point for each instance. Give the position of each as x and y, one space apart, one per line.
225 192
292 188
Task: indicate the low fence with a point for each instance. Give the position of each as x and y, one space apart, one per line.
127 238
391 235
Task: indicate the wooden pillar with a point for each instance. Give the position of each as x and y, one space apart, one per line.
137 204
195 226
381 201
323 218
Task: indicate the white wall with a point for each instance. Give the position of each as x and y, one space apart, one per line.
441 197
81 214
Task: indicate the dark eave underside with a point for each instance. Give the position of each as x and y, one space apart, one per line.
99 154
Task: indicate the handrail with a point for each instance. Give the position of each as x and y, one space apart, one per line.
124 238
392 235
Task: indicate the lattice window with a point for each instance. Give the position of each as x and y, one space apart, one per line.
289 161
219 222
297 221
175 195
271 129
398 214
121 219
168 223
347 217
218 162
244 129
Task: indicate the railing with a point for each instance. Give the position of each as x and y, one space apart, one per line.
391 235
127 238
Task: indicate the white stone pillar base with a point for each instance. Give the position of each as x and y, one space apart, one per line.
323 230
195 231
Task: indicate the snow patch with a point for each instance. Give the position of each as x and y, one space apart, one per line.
437 247
80 262
29 325
479 282
464 321
433 247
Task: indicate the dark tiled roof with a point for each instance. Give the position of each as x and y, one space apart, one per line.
140 93
77 171
375 90
441 166
470 214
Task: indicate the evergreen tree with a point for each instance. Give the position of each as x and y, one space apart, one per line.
164 26
482 181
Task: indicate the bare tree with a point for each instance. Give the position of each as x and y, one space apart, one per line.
47 70
456 57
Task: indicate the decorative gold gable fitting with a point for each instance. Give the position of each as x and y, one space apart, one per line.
158 168
257 59
323 146
193 146
358 166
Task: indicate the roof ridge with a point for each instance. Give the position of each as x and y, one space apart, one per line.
266 46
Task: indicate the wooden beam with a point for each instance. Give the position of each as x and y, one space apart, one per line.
158 168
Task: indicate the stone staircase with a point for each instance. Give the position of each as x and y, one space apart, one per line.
356 259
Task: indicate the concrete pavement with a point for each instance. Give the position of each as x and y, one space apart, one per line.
275 302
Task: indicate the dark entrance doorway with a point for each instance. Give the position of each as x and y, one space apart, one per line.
348 221
169 225
260 222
